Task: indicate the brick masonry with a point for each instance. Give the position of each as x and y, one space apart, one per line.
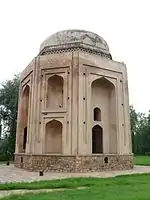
61 163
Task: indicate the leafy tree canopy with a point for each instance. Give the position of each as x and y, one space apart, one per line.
8 116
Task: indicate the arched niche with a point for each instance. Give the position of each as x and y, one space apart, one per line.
55 92
97 139
97 114
53 137
103 95
24 119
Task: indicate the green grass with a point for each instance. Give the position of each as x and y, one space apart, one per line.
142 160
60 183
129 187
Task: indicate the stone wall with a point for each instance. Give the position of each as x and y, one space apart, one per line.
60 163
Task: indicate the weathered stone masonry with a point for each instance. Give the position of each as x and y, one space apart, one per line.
73 112
59 163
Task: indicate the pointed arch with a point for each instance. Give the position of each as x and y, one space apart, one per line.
104 81
103 96
97 139
24 119
55 92
53 137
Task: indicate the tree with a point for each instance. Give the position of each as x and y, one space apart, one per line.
133 122
139 137
140 130
8 115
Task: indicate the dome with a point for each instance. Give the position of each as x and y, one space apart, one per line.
79 38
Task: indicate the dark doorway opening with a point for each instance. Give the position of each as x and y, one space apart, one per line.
25 138
97 139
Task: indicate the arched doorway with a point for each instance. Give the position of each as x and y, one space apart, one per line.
103 96
55 92
25 138
24 119
53 138
97 139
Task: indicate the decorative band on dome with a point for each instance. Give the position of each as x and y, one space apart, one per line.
69 39
47 51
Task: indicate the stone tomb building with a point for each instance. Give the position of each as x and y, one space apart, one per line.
73 112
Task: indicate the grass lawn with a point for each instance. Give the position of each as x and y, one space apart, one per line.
129 187
142 160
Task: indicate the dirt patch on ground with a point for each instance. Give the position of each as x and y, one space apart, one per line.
13 192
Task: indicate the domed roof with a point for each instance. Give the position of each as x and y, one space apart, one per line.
66 38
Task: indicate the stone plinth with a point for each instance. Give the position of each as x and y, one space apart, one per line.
61 163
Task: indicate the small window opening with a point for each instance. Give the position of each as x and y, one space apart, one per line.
97 114
106 159
21 159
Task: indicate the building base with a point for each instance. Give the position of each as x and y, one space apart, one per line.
78 163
